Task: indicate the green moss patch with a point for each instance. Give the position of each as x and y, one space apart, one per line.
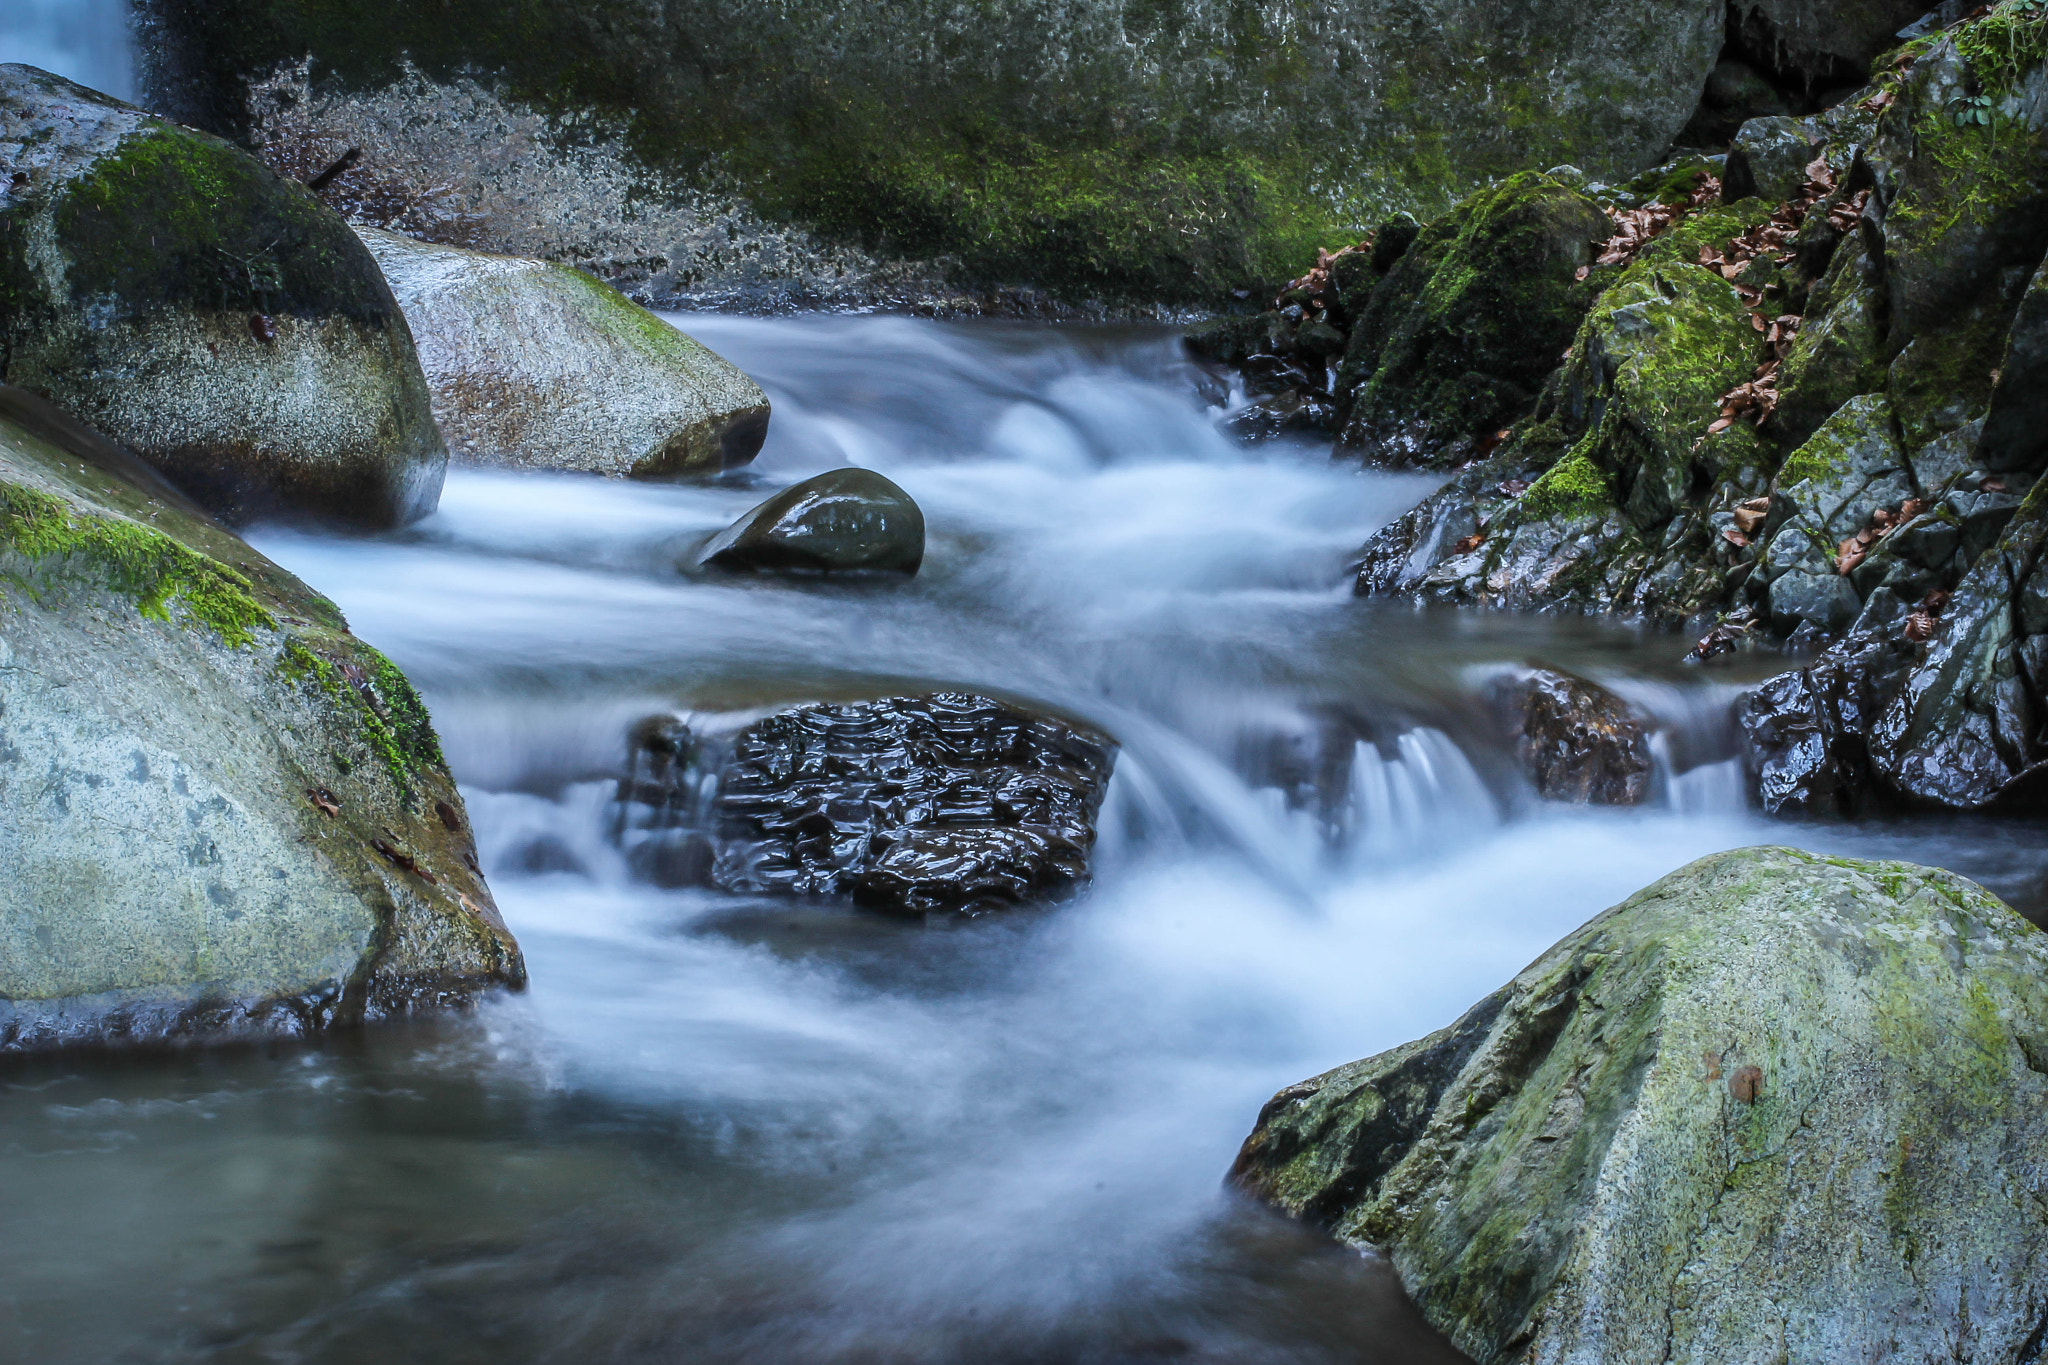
141 564
394 720
1574 488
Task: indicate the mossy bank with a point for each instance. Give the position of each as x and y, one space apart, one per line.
222 814
1129 150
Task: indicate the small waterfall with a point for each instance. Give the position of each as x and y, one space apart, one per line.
1422 798
88 41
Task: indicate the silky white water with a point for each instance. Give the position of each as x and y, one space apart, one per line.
723 1129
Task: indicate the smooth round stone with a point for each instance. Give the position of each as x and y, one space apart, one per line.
847 520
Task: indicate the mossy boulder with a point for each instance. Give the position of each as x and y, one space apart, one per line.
1159 150
221 814
540 366
173 292
1775 1107
1458 337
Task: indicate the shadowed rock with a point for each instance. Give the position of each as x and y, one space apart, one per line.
173 292
1774 1107
844 521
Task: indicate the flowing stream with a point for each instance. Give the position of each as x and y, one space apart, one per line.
723 1129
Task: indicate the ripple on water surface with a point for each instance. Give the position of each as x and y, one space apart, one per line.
722 1129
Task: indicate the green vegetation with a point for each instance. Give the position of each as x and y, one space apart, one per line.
144 565
177 216
1572 489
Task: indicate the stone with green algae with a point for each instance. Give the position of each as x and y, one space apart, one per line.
1776 1106
173 292
221 814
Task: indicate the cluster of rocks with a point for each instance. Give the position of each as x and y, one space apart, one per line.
1810 412
222 813
911 805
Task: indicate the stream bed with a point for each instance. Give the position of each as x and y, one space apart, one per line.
725 1129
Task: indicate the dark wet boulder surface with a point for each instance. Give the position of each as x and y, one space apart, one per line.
905 804
1574 739
173 292
842 521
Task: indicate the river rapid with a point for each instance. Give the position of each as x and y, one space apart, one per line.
721 1129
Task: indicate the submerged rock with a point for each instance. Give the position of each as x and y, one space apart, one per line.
173 292
539 366
1774 1107
1576 740
844 521
904 804
220 813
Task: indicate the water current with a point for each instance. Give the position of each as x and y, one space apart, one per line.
721 1129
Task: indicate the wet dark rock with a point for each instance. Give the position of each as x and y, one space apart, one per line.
173 292
1576 740
1808 730
2015 434
912 804
903 804
847 520
1965 730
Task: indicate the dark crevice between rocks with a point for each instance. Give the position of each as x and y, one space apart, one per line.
1760 74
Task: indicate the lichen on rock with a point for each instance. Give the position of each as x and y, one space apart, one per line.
1775 1106
222 814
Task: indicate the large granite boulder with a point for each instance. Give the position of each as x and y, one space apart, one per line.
534 365
1775 1107
173 292
221 814
904 804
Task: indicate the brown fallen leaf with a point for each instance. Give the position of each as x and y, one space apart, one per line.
324 800
449 818
1748 518
1992 485
1735 537
1848 555
1877 102
1469 543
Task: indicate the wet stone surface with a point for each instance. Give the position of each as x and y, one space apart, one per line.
905 804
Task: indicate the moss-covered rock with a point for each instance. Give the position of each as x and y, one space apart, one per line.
221 813
1156 149
1775 1107
1457 338
175 293
541 366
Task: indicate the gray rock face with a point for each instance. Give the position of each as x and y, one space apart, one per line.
220 813
1576 740
2015 434
1808 730
844 521
540 366
905 804
1774 1107
173 292
1767 160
